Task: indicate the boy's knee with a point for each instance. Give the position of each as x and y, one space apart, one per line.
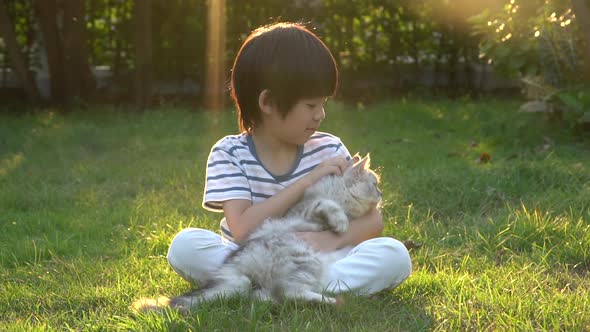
396 258
188 254
183 243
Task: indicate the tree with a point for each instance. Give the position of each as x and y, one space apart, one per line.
46 12
534 38
143 53
582 11
547 45
80 80
67 51
16 56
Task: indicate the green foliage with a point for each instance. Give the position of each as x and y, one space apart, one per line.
179 35
110 30
540 42
530 38
381 46
23 21
90 200
577 100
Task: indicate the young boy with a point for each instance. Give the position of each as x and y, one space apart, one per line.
280 81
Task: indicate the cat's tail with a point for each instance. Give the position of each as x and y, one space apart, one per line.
184 303
145 305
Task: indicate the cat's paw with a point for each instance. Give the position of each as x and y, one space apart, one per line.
331 215
338 221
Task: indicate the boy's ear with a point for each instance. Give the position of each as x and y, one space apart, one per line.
265 101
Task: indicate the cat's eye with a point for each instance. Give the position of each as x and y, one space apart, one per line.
377 188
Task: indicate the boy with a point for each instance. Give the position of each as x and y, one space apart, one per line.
281 79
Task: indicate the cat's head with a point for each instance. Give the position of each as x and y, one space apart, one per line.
362 186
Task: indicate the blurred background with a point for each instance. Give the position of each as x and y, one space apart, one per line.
149 52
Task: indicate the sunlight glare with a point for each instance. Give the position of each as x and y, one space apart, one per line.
215 87
10 163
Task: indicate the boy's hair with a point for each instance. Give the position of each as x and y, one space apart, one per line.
288 60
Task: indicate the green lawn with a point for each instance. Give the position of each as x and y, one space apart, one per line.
90 200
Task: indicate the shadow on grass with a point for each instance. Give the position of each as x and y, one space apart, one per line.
383 312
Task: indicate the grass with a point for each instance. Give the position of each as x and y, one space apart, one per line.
90 200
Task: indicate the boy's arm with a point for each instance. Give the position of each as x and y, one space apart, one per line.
242 217
366 227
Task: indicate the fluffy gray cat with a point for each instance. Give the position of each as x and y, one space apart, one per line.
274 263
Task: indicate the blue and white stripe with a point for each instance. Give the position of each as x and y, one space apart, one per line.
235 172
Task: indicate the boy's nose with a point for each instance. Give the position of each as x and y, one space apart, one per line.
320 115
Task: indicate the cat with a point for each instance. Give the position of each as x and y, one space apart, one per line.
273 263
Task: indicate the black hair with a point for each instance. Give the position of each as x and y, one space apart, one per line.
287 59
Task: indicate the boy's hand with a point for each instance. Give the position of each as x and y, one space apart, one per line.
335 166
361 229
325 241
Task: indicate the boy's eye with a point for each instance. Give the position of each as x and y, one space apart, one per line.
311 105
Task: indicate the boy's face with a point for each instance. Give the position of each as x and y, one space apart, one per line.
302 120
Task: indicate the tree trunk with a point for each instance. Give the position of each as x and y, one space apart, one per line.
16 56
79 77
67 52
46 12
143 53
582 11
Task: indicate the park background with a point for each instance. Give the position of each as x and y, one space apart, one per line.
149 52
476 115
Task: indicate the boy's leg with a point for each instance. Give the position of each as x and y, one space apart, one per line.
372 266
196 253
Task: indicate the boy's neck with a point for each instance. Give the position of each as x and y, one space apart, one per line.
264 141
277 156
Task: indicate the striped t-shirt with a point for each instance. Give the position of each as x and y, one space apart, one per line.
235 172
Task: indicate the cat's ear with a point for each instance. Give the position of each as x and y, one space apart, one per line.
362 164
355 159
365 163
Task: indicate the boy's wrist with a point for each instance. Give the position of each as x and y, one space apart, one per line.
344 239
307 180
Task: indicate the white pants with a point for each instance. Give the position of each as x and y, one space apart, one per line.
372 266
